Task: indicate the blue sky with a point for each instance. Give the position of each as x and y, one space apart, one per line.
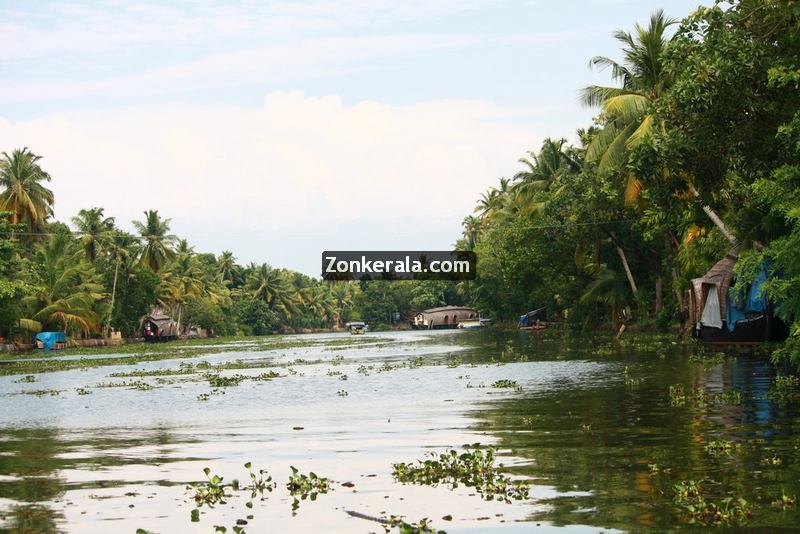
280 129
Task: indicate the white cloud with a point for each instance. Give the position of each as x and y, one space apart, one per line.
298 166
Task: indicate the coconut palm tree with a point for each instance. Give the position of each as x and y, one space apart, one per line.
122 248
493 201
344 294
95 231
182 279
67 292
543 169
157 243
21 178
627 109
472 229
270 285
608 288
322 304
227 265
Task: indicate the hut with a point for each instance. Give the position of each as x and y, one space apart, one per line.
159 327
725 313
443 317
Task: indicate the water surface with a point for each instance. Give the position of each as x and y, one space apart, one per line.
84 451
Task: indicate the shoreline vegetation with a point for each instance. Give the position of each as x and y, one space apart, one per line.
693 153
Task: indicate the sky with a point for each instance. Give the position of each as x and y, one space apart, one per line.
279 129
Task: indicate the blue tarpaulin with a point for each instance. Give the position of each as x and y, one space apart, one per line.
757 297
755 301
736 309
49 339
523 320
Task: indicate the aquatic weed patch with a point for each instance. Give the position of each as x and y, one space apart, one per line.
785 389
474 469
505 383
698 396
688 494
722 447
306 486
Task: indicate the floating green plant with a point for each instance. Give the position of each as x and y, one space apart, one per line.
720 447
306 486
472 468
211 492
680 396
505 383
784 502
26 379
728 511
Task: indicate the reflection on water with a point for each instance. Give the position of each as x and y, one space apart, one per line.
585 424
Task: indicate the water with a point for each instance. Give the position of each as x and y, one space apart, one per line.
584 426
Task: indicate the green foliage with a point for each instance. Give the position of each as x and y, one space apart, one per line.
475 469
306 486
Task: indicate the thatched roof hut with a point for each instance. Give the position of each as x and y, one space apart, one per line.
719 277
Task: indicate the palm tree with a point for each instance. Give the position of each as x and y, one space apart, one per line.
227 265
157 243
627 110
607 288
183 247
182 280
67 291
344 295
271 286
493 201
95 231
23 194
472 229
122 247
543 169
322 304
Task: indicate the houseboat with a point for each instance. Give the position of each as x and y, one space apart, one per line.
448 317
357 327
158 327
723 312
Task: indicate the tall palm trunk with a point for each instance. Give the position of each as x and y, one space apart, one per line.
624 259
714 217
113 295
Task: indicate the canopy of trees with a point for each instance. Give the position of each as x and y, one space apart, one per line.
695 148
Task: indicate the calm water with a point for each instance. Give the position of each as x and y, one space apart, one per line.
585 423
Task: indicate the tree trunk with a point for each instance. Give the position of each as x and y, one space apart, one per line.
597 255
677 290
624 261
628 273
659 297
113 295
714 218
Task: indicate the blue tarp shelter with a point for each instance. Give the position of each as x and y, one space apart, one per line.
50 340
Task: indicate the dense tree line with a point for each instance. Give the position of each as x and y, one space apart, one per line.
695 150
90 277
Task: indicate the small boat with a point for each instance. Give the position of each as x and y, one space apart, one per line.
471 324
534 320
357 327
